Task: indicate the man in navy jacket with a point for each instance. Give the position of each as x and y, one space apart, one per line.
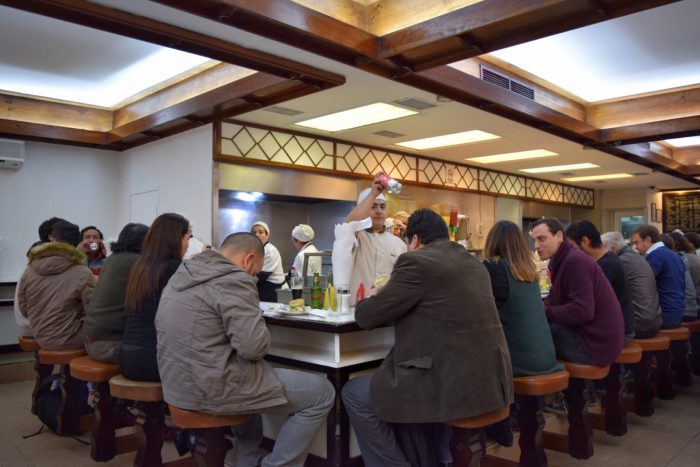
669 271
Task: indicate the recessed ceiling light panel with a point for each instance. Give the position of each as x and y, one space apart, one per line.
357 117
512 156
453 139
684 142
591 178
558 168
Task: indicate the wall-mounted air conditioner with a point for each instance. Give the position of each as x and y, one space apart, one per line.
11 154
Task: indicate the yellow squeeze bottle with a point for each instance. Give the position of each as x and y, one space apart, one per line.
329 300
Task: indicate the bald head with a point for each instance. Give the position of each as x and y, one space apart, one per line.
244 250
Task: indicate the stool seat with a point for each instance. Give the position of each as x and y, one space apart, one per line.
189 419
631 353
577 370
658 342
541 385
693 326
145 391
28 344
94 371
676 334
59 357
485 419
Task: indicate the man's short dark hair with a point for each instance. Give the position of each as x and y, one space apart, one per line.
650 231
693 238
46 227
427 225
552 224
66 232
130 238
91 227
244 241
580 229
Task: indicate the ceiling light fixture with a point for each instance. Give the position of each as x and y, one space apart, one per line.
560 168
453 139
357 117
597 177
512 156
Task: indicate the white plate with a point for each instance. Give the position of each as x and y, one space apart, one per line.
291 313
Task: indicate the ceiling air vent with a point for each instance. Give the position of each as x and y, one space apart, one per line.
415 104
506 83
567 174
282 110
640 174
388 134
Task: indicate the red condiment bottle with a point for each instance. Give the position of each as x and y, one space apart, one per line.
360 293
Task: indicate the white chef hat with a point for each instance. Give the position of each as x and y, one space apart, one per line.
364 193
304 233
261 224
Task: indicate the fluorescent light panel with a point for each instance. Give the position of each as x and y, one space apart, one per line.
453 139
597 177
684 142
357 117
560 168
513 156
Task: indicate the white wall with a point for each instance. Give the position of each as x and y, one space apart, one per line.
176 173
77 184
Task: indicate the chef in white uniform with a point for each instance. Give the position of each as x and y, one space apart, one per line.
302 235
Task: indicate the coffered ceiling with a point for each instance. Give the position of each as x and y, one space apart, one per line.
287 54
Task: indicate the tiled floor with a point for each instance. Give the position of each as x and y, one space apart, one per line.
669 438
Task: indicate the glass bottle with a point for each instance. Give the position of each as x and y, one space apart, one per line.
316 292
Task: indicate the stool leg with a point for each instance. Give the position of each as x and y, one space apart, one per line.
103 443
211 447
665 388
42 372
695 352
679 363
69 412
150 424
643 395
615 415
465 446
580 431
531 425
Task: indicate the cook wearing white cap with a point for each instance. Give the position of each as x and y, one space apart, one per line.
377 249
302 235
271 277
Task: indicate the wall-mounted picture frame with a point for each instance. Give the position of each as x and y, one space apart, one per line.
652 213
658 215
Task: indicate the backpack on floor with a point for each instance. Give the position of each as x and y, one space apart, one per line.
49 399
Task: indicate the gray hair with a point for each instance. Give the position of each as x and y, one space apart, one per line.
611 239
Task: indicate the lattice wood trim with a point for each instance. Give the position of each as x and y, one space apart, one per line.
268 146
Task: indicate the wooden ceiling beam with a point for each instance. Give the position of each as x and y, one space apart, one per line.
137 27
33 110
51 133
652 131
645 109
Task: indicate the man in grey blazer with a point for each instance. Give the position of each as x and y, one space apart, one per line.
450 359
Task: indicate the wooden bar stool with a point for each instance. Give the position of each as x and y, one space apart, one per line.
530 392
679 354
210 433
150 424
611 415
29 344
643 391
69 420
576 439
103 442
465 444
694 328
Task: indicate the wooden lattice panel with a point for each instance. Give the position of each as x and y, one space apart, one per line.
545 191
369 161
504 184
267 145
275 146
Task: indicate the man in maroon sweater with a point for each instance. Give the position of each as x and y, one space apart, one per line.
582 309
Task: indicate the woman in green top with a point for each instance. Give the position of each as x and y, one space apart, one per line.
520 308
105 318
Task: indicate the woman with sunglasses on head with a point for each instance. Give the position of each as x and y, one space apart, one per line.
163 248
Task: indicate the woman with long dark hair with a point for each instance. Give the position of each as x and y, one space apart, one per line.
104 318
163 249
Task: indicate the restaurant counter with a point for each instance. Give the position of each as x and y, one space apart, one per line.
334 345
